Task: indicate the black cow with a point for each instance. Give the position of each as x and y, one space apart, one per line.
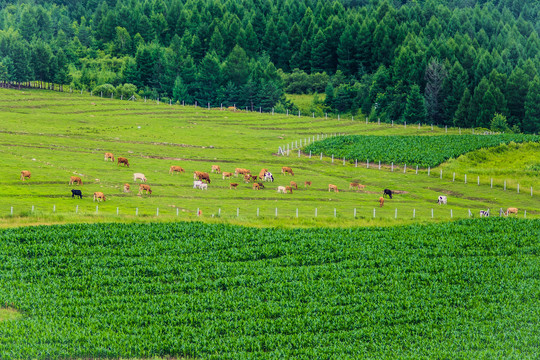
76 193
387 192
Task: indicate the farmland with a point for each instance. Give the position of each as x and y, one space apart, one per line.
220 291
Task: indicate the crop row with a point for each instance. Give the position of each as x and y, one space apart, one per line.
219 291
423 151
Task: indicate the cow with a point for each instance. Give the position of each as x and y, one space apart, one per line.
357 186
76 193
269 177
203 186
226 174
216 168
253 178
139 176
75 179
247 177
196 174
294 185
197 184
381 201
332 187
281 189
256 186
109 156
238 171
261 185
484 213
122 160
387 192
233 186
25 174
262 173
144 188
287 170
288 189
204 176
307 183
442 200
126 188
511 210
231 108
175 168
99 196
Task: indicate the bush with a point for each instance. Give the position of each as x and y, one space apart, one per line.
105 89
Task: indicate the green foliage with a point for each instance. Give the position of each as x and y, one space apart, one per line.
106 90
499 123
410 150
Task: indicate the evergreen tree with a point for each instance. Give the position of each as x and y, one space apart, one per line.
462 116
235 68
517 87
320 54
498 123
415 109
216 43
531 122
208 79
329 92
434 77
452 91
180 91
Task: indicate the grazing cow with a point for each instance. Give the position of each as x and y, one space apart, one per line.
387 192
253 178
226 175
307 183
269 177
25 174
262 173
287 170
76 193
216 168
332 187
293 184
126 188
233 186
261 185
204 176
203 186
484 213
281 189
238 171
175 168
75 179
357 186
288 189
381 201
109 156
197 184
511 210
196 174
99 196
256 186
139 176
442 200
122 160
247 177
145 188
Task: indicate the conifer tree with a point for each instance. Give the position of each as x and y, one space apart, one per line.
531 122
415 109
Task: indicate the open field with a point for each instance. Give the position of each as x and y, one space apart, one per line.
57 135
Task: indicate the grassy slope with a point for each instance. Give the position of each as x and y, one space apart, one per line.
58 135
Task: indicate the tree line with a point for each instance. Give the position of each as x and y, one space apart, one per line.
447 62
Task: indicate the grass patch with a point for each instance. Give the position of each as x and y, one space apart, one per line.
7 314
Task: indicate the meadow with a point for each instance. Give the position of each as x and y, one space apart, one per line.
57 135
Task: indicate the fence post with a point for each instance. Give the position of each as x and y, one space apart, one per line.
441 174
504 185
492 183
332 158
298 152
310 154
136 211
344 163
432 213
392 166
77 209
257 212
355 162
416 169
428 170
276 212
32 208
525 214
157 212
97 208
395 214
219 211
177 211
321 156
478 180
54 208
334 212
315 212
379 164
296 212
451 214
531 191
414 213
465 178
355 213
117 211
404 168
470 213
518 188
12 210
373 212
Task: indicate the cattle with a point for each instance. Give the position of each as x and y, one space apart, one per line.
387 192
145 188
75 179
231 108
126 188
226 175
203 186
109 156
25 174
332 187
281 189
261 185
253 178
262 173
288 189
307 183
196 174
256 186
287 170
357 186
247 178
511 210
269 177
139 176
76 193
233 186
122 160
484 213
238 171
216 168
294 185
381 201
204 176
197 184
99 196
442 200
177 169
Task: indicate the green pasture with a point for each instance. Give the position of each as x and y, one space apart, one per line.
57 135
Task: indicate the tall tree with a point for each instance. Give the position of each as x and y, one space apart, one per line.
517 87
531 122
434 78
415 109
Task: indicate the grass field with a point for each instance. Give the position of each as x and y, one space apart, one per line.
56 135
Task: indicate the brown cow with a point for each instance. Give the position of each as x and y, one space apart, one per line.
286 169
196 174
126 188
25 174
109 156
293 184
75 179
256 186
511 210
332 187
146 188
241 171
233 185
307 183
204 176
216 168
357 186
122 160
174 169
99 196
262 172
288 189
381 201
226 175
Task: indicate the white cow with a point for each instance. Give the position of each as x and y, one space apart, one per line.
442 200
203 186
268 176
484 213
197 184
281 189
139 176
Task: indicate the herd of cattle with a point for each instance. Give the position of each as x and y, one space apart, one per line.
202 179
